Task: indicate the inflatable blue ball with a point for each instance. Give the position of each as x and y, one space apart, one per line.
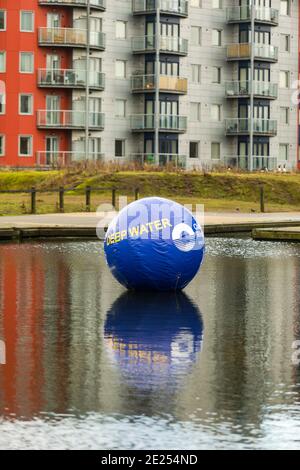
154 244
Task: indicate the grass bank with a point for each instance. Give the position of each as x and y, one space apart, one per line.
218 191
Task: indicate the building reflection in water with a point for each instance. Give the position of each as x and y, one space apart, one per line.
76 343
154 339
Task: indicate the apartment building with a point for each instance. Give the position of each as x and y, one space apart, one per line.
152 81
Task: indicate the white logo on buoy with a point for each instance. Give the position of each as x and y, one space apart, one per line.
184 237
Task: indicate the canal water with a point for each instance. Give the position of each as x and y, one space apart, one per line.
88 365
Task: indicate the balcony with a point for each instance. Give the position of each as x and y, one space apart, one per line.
258 162
167 83
49 119
241 89
168 44
179 161
264 52
95 4
263 15
58 159
70 78
169 7
167 123
71 37
266 127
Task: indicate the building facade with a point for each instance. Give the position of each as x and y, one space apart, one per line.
79 81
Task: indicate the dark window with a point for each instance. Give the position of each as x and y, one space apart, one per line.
194 149
119 148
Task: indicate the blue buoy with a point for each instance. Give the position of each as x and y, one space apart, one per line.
154 244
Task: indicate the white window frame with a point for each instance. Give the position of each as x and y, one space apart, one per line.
119 77
31 145
33 21
2 154
220 148
31 96
124 102
123 148
20 61
125 24
4 104
4 62
5 19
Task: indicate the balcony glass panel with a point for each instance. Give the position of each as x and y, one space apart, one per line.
258 162
261 51
179 7
242 126
166 83
69 78
94 3
70 36
263 14
243 88
173 44
69 119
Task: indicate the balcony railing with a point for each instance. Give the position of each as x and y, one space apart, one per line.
96 4
167 83
258 162
70 37
261 52
163 159
55 159
70 78
242 126
243 89
243 14
171 7
168 44
69 119
167 122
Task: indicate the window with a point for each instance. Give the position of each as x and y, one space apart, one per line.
284 79
195 111
2 62
216 37
285 7
121 29
26 21
216 112
2 145
215 151
194 149
26 62
119 148
2 20
285 43
195 3
120 68
196 73
25 146
217 4
25 104
217 75
120 108
196 35
283 152
284 115
2 103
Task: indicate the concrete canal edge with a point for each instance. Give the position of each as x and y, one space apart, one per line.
259 231
284 234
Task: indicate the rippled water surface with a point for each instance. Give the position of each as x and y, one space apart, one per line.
88 365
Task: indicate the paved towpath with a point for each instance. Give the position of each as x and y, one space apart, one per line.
91 219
